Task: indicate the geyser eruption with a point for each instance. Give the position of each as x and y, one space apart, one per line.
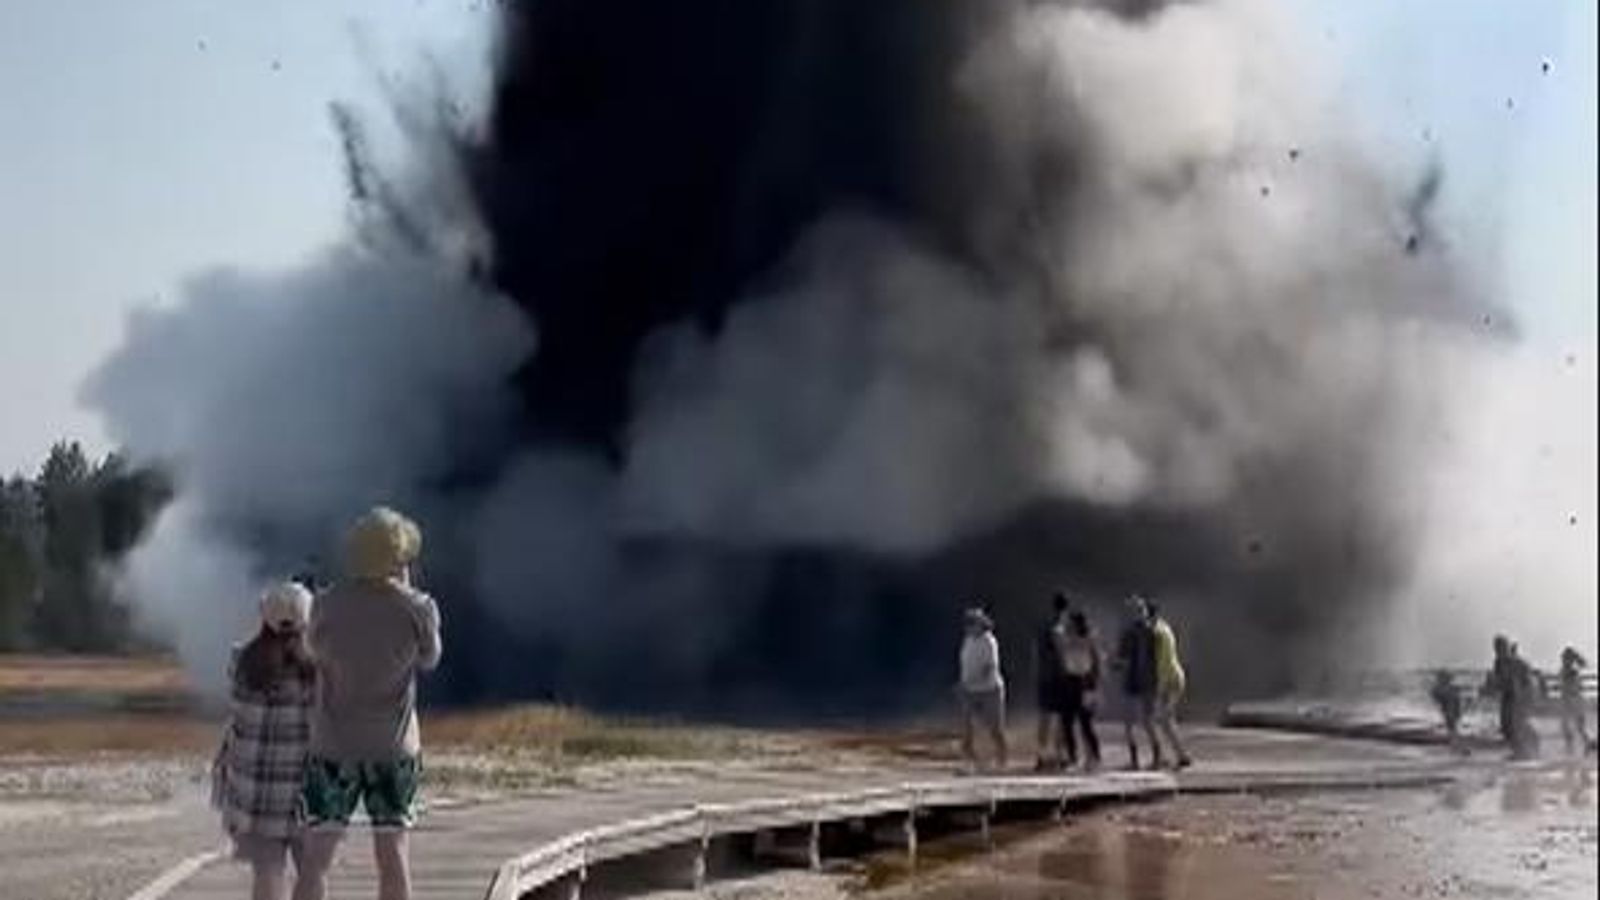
736 345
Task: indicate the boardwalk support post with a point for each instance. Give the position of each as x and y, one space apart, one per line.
702 851
814 846
911 834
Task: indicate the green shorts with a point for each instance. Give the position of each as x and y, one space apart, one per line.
330 792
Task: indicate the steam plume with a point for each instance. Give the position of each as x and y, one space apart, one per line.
762 335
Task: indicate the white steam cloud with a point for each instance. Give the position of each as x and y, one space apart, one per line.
288 403
1240 292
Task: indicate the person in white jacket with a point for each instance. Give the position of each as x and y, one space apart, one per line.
982 689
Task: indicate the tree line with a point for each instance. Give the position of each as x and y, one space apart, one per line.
62 534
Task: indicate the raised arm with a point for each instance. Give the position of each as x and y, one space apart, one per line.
430 644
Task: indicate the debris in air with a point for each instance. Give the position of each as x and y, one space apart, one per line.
1413 244
1545 65
1266 190
1294 154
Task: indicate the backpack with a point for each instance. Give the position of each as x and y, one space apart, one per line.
1077 656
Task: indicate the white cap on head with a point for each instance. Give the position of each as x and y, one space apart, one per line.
286 607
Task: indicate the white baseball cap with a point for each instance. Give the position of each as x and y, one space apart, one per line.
286 607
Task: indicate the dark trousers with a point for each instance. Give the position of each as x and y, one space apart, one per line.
1516 729
1078 715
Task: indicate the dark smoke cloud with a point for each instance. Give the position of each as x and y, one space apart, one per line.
833 317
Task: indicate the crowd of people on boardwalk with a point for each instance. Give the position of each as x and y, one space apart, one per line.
1517 688
323 713
323 718
1071 675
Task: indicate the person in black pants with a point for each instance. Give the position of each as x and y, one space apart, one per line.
1048 678
1513 682
1136 660
1081 664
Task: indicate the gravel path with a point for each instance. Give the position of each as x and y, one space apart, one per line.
97 831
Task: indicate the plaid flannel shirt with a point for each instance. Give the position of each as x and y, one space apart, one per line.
257 772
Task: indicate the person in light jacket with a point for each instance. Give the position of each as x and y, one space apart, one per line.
982 689
370 635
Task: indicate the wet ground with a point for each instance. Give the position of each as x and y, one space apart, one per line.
1526 834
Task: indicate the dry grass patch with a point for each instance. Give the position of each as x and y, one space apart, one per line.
565 733
87 737
90 674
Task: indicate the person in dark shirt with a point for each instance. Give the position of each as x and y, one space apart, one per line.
1136 660
1512 682
1447 697
1048 678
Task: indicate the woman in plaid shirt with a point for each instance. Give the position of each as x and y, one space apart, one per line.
258 771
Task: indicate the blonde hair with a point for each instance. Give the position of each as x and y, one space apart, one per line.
381 543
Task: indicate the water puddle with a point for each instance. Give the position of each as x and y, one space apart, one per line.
1512 835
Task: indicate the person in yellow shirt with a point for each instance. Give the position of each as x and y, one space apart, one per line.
1170 680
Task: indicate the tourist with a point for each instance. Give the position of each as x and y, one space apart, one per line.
1048 678
1081 665
1447 697
1574 725
370 634
1170 684
1511 682
257 772
1136 660
982 689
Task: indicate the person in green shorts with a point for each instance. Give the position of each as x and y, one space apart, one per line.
370 635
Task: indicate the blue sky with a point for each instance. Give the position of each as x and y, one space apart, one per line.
143 141
1466 80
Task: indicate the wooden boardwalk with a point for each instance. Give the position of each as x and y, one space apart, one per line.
503 849
457 852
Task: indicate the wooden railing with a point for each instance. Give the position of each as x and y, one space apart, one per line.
1412 682
571 856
